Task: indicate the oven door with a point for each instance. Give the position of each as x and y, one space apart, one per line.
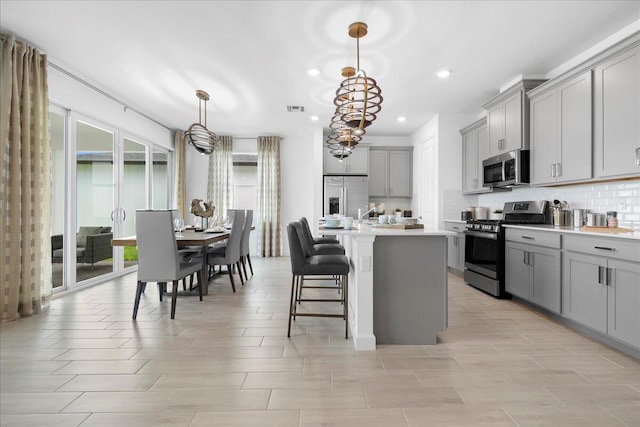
482 251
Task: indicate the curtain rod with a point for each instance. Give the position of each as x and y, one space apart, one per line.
111 97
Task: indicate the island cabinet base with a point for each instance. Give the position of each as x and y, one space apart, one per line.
409 289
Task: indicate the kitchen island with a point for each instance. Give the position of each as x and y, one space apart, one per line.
398 284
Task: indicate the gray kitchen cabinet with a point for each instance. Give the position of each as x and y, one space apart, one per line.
390 171
508 118
561 136
356 164
474 150
601 285
533 273
584 295
616 123
455 246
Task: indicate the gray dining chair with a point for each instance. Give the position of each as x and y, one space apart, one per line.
229 254
315 267
158 257
244 243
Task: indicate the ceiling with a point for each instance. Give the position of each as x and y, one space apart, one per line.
252 57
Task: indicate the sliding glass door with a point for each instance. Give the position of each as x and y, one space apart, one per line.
100 176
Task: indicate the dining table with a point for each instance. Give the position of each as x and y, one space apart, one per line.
188 238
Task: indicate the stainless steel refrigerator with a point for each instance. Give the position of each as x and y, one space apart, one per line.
344 195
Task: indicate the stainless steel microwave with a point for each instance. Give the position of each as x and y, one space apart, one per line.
506 170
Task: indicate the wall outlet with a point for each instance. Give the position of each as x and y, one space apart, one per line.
365 263
622 205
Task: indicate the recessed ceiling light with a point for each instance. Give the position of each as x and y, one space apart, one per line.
313 72
402 118
443 74
315 118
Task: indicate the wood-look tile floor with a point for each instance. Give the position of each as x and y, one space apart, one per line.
227 361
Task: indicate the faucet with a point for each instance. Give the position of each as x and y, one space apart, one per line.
362 215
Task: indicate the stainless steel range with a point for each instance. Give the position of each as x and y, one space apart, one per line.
484 244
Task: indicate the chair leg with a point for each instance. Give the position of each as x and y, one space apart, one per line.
233 284
174 298
300 285
200 283
345 298
136 304
240 273
184 283
160 289
249 260
244 268
291 303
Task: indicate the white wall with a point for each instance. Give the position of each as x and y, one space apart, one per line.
73 95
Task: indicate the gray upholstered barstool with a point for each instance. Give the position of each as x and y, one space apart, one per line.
316 266
316 240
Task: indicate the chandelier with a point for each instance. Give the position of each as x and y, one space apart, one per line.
201 138
358 101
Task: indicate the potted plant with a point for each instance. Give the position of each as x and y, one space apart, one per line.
398 213
496 214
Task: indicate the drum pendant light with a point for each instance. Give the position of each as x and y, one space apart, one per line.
201 138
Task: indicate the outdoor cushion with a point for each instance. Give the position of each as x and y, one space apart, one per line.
81 239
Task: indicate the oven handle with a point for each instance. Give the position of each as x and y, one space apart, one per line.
482 235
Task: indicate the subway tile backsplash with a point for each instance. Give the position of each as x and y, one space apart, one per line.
621 196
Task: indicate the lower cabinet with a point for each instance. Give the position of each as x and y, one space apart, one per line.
533 273
603 294
455 246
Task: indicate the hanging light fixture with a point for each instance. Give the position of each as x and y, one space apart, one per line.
201 138
358 98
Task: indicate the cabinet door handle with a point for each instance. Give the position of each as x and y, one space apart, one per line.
609 276
456 228
475 183
528 237
604 248
530 258
600 274
558 169
524 257
638 156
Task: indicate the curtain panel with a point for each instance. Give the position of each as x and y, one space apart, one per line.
25 181
180 175
220 183
268 218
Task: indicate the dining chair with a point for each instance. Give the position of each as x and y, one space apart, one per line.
158 257
316 267
229 254
307 231
244 243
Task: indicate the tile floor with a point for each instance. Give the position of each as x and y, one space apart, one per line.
226 361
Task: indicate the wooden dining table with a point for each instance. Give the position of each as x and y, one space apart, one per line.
188 238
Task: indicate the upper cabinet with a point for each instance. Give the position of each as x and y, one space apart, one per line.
356 164
390 171
475 149
507 118
616 124
561 138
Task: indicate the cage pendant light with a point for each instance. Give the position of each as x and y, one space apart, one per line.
358 98
201 138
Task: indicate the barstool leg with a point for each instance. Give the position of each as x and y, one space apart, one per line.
300 288
291 303
345 298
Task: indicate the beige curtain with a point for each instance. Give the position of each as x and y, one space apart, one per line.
180 177
220 186
25 180
268 216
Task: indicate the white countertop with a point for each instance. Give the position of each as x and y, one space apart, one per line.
570 230
457 221
377 231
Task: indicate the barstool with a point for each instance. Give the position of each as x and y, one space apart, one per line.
316 240
317 266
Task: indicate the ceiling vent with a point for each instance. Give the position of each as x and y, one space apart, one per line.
295 108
